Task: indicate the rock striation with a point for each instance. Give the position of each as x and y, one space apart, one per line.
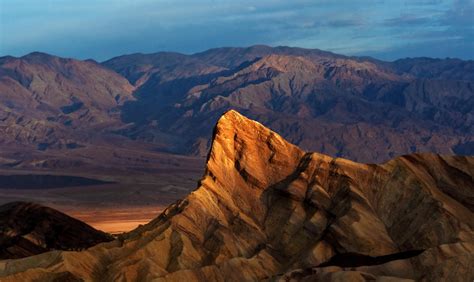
266 210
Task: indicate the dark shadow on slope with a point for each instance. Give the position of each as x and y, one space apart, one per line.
347 260
154 97
356 260
464 149
28 229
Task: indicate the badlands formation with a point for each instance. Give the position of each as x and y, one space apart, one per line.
266 210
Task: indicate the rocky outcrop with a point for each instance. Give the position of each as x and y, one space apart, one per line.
266 210
28 229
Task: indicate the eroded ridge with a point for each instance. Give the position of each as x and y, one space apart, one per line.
265 209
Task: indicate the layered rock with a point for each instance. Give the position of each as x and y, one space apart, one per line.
266 210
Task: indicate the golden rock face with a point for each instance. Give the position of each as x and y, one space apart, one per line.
266 210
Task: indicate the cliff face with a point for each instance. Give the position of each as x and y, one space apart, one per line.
265 209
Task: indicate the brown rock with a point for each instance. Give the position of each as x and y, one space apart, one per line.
265 209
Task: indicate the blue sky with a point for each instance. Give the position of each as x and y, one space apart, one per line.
101 29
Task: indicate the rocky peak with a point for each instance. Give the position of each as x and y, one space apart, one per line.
250 148
265 209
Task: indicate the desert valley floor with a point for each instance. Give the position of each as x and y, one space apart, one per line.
129 195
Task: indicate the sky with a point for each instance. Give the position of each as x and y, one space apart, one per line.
102 29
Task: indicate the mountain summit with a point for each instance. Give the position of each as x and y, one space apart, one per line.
266 210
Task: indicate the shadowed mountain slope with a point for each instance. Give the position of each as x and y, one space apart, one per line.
266 210
454 69
357 108
28 229
52 102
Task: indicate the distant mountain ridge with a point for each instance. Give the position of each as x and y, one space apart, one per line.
359 108
51 102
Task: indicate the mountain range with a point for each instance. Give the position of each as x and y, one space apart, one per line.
51 102
267 210
354 107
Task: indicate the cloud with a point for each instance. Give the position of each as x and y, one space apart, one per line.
408 20
460 14
106 28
